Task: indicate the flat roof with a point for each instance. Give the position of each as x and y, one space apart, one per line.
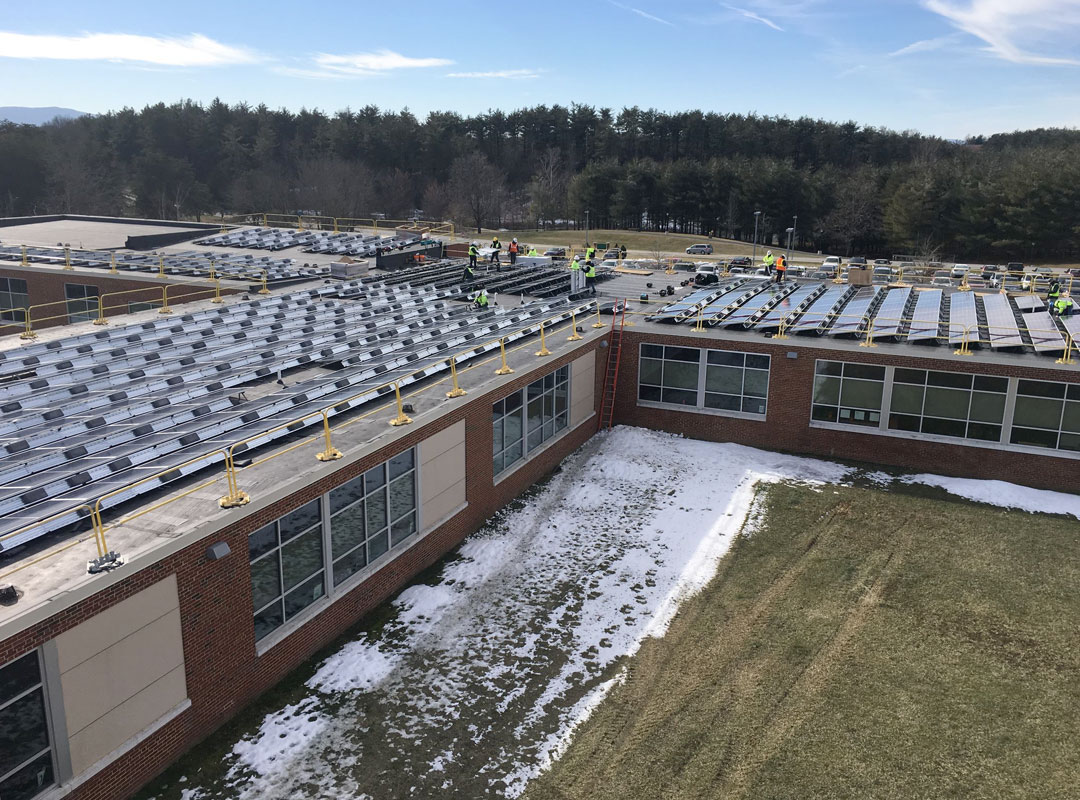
54 567
89 233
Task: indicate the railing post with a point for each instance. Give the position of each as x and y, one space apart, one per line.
331 453
699 326
574 335
24 262
457 391
869 340
165 301
336 226
965 343
212 274
265 225
29 332
112 264
400 419
101 311
161 266
543 351
106 559
67 258
598 323
217 292
264 290
505 368
783 327
1066 357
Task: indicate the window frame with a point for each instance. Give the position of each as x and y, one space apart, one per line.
701 390
1007 423
559 420
332 592
7 301
88 313
42 687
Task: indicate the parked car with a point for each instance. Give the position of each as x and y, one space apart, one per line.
822 275
742 261
688 266
882 262
555 252
612 253
831 262
1014 266
610 263
959 270
857 261
941 278
700 249
738 270
706 274
882 274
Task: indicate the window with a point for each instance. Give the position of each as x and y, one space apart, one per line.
13 296
1047 414
715 379
948 404
718 380
372 514
26 762
526 419
82 302
287 573
848 393
141 305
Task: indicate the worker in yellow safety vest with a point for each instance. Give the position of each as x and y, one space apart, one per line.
1064 305
474 252
770 259
590 277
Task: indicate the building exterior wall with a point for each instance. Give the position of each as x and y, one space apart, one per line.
46 286
787 425
223 667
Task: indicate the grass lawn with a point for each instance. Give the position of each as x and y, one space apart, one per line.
859 644
640 245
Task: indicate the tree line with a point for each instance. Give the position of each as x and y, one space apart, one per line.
845 188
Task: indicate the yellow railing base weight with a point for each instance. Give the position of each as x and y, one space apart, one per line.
543 352
333 454
599 325
780 336
241 499
263 291
27 335
218 300
459 392
575 338
101 322
962 352
402 420
504 371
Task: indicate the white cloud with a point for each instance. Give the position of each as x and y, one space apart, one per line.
195 50
502 73
643 14
756 17
851 71
1011 28
923 46
363 64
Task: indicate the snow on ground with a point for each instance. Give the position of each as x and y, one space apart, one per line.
1006 495
476 682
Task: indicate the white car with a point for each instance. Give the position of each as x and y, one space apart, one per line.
610 263
832 263
959 270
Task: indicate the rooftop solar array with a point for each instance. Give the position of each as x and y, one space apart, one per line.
82 416
902 313
191 263
523 280
350 244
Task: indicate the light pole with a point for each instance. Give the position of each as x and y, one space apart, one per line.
757 216
794 227
790 231
586 229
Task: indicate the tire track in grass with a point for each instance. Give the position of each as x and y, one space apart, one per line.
803 697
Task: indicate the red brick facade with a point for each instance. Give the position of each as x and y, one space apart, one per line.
223 671
787 424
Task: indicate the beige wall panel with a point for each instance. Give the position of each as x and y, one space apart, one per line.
442 441
437 508
127 720
582 383
439 474
105 681
113 624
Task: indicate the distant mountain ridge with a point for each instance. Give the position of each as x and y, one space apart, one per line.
26 115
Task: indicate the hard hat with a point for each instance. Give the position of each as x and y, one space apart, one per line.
515 240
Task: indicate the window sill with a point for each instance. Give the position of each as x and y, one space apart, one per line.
715 412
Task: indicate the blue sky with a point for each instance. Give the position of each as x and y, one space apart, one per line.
946 67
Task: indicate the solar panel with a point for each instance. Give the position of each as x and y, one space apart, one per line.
748 312
688 306
1001 328
1043 332
823 307
962 317
1028 302
852 316
889 317
790 305
730 300
926 318
1071 324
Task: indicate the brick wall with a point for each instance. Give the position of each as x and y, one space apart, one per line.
787 426
47 286
223 671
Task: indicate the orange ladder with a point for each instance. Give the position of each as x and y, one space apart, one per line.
611 379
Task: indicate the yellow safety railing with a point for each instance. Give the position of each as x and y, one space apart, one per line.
303 222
